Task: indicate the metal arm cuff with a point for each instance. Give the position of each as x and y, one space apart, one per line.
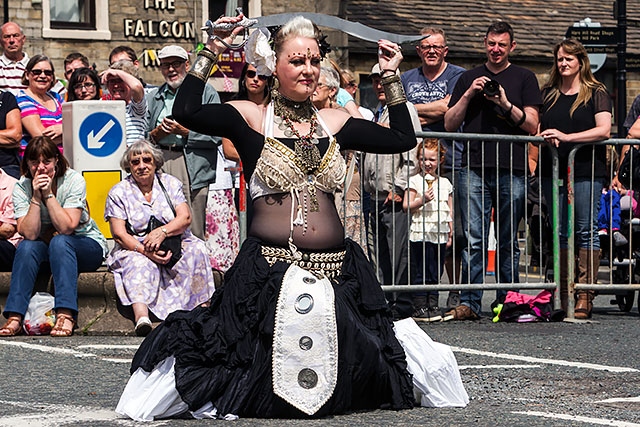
204 64
393 90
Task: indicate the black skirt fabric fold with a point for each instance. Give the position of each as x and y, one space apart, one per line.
223 352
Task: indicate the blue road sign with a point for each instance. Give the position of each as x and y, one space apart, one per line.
100 134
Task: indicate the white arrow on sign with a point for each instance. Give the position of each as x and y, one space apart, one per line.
93 142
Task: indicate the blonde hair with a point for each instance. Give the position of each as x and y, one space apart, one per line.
296 27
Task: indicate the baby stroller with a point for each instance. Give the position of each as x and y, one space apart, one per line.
622 256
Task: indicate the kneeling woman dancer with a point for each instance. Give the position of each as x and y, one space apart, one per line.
301 327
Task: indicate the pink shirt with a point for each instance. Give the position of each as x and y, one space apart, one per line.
7 183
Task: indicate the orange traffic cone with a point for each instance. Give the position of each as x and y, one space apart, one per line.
491 249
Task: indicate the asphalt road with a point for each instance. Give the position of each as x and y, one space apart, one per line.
536 374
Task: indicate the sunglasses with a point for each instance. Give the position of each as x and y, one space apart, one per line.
136 161
47 73
175 64
252 74
85 86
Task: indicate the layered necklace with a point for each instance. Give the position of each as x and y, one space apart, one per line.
288 112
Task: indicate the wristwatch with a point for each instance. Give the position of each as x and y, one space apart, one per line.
48 196
164 230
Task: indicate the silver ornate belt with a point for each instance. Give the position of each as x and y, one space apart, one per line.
322 264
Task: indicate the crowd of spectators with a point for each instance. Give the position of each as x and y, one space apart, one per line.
448 187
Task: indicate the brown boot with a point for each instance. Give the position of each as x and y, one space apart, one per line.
584 304
588 265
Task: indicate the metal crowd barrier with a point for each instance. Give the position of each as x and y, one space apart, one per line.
542 276
620 264
537 278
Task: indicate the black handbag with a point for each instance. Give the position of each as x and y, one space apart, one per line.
171 243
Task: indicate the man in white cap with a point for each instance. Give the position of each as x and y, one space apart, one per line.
188 155
385 177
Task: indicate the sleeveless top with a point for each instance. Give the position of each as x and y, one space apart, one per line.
278 170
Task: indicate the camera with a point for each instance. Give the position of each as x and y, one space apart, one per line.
491 88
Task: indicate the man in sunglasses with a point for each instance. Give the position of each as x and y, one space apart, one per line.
13 60
189 156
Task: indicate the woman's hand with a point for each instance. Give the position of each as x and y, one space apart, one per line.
389 56
41 184
159 257
214 44
53 132
153 240
554 136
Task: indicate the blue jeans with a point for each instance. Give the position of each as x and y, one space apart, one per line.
586 207
505 191
67 256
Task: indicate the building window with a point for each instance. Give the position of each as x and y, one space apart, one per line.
76 19
73 14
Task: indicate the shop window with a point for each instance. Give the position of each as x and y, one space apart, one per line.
76 19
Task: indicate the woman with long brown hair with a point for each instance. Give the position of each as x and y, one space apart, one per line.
576 111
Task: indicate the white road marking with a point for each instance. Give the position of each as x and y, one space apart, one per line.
46 349
109 359
621 400
109 347
462 367
75 353
617 369
59 415
600 421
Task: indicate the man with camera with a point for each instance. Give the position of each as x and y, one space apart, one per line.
495 98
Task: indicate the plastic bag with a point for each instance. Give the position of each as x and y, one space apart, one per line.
39 318
436 377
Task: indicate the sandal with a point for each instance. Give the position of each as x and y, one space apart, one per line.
59 329
9 331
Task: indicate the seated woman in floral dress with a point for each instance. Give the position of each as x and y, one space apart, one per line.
143 279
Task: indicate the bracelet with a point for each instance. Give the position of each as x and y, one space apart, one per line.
384 70
136 248
521 121
507 113
204 64
33 202
393 90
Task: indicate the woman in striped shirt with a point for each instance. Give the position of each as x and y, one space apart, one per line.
40 108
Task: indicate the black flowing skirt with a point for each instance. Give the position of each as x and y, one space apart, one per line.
223 352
